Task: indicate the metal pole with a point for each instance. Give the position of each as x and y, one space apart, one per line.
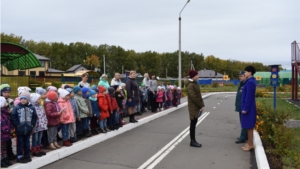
179 54
166 73
104 64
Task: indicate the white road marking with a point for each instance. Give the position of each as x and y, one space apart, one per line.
214 107
156 158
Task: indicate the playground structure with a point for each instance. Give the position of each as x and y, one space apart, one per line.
295 69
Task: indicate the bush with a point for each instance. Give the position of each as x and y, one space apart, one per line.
269 89
57 84
280 142
228 84
260 93
281 89
215 84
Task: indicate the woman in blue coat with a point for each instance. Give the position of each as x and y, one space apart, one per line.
249 106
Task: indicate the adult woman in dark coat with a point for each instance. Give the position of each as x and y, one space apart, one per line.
132 89
249 106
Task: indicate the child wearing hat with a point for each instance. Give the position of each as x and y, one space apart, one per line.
6 128
53 113
23 118
5 92
159 98
120 97
72 126
179 95
82 123
43 94
51 88
86 95
113 109
41 125
95 111
67 115
103 105
20 89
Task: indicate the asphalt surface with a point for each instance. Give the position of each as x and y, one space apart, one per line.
217 133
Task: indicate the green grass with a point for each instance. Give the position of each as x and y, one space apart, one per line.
282 105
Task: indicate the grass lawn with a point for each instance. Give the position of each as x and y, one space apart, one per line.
282 105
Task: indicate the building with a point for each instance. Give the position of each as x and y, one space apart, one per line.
209 74
76 68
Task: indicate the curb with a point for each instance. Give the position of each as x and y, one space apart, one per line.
260 154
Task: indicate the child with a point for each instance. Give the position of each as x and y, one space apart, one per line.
23 118
41 125
43 94
67 115
53 113
175 96
95 111
119 98
86 95
159 98
6 128
20 89
5 92
82 123
113 108
72 126
164 103
169 96
51 88
103 105
179 95
124 91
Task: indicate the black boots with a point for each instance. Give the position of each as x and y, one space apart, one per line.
194 143
86 133
131 119
5 162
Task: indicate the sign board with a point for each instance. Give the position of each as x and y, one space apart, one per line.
258 78
225 77
274 75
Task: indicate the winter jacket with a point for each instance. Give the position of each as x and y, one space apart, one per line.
169 95
119 98
23 118
112 103
52 110
159 97
175 94
238 98
103 83
103 105
82 107
42 120
114 82
95 108
132 89
195 101
153 85
179 94
249 104
89 106
75 108
6 126
67 115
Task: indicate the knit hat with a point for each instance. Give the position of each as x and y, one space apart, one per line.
178 88
2 101
5 87
68 88
51 95
85 90
76 89
94 87
92 92
123 84
142 84
159 87
101 89
63 93
52 88
40 90
24 95
34 97
111 90
23 88
192 73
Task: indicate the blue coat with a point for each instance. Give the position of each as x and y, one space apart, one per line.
23 118
249 104
95 108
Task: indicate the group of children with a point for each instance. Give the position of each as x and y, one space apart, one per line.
41 115
166 97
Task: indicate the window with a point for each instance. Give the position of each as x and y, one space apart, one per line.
21 73
32 73
41 73
42 63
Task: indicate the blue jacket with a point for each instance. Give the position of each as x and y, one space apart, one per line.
249 104
95 108
238 98
23 118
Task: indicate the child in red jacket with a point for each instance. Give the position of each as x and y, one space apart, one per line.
113 109
103 105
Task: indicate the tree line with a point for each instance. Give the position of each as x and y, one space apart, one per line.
64 56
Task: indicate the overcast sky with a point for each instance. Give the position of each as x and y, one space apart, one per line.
246 30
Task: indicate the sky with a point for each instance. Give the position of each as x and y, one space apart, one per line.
245 30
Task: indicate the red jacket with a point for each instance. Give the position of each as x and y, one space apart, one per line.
103 105
52 113
67 115
112 103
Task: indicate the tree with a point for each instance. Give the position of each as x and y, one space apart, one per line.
92 61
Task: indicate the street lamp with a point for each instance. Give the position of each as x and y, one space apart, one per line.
179 54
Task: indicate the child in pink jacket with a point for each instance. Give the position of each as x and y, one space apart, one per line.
159 98
67 115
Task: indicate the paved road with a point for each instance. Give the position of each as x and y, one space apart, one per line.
217 133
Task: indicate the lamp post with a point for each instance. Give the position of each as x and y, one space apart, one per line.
104 64
179 54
